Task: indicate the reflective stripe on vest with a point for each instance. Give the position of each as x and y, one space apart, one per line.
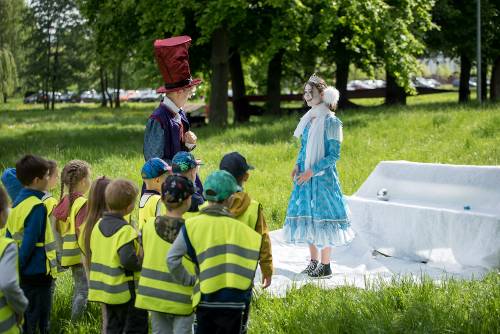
158 291
70 249
8 322
227 253
15 225
250 215
108 281
148 208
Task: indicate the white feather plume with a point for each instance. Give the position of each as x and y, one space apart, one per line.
331 96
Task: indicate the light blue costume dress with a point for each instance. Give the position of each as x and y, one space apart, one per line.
317 213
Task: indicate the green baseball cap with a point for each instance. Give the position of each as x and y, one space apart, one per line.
219 186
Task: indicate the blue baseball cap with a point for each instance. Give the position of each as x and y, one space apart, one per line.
154 167
184 161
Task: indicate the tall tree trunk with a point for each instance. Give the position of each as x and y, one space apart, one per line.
274 69
220 69
464 90
110 97
4 97
118 84
240 101
55 68
104 101
394 94
48 72
484 85
495 80
341 77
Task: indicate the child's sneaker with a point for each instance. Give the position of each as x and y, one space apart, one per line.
310 268
322 271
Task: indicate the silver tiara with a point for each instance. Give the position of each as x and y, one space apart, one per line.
315 79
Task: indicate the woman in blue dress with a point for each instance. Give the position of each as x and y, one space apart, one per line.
317 213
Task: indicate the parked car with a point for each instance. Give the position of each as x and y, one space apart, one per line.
149 95
365 84
70 97
426 83
31 98
90 96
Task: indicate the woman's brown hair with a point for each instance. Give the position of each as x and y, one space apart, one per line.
97 206
320 85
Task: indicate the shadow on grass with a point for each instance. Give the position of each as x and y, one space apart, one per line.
82 143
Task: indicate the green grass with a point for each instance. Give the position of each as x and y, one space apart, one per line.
429 129
403 306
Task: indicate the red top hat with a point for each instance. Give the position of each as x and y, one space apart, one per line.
173 60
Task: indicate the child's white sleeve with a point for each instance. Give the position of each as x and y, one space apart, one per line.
9 281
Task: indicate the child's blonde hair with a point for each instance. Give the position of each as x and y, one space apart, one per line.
120 194
72 173
97 206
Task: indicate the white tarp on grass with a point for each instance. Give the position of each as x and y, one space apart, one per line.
440 221
353 265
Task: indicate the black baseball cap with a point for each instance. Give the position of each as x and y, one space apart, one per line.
176 189
235 163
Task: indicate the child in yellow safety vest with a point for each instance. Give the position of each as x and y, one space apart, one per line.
28 225
170 303
154 172
115 262
250 212
226 254
13 303
96 208
70 214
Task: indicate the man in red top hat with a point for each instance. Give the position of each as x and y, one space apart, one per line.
167 130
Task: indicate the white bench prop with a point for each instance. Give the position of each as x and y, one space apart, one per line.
434 213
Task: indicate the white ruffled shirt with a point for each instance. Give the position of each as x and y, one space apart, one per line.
172 106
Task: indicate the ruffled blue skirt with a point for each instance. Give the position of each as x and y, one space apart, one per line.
317 213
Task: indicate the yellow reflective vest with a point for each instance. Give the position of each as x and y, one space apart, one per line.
251 214
157 290
50 203
226 250
70 250
8 322
150 206
188 214
108 281
15 225
81 238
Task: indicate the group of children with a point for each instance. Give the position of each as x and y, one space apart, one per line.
191 251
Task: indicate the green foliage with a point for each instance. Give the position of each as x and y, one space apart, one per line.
400 38
8 72
56 45
11 53
456 35
401 306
